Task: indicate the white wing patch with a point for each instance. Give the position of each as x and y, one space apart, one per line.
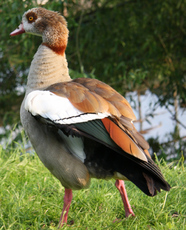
57 109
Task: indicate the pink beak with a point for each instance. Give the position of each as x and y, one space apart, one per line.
19 30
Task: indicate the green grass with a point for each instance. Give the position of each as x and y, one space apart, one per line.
31 198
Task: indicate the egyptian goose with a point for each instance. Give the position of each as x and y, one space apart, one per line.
81 128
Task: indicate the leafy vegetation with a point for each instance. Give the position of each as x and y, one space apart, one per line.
31 198
132 45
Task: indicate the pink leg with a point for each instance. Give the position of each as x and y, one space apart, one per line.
121 187
66 206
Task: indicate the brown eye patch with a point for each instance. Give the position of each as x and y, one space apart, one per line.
31 17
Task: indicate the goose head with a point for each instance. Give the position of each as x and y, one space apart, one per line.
48 24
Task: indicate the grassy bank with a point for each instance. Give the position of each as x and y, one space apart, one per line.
31 198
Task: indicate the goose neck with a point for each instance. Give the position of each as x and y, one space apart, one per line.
47 68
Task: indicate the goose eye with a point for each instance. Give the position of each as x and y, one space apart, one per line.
30 18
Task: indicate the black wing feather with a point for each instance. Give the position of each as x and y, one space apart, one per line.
110 158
